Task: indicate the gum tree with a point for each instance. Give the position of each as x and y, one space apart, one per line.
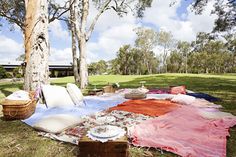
33 17
83 33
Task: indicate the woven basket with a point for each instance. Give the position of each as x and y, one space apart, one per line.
108 89
15 109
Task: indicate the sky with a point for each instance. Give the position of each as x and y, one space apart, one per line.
111 32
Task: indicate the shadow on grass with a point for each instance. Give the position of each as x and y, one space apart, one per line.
7 88
18 139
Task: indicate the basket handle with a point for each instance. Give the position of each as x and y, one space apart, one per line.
13 115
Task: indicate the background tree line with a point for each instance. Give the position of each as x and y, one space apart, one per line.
207 54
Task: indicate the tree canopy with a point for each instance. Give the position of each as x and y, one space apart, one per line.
225 9
14 12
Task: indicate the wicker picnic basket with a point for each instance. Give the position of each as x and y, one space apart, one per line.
19 109
108 89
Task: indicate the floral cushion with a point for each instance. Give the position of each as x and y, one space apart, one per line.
178 90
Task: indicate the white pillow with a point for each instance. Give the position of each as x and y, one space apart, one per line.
183 99
56 96
56 123
19 95
75 94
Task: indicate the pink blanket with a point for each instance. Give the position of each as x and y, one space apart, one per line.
185 133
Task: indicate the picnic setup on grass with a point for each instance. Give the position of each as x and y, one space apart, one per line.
107 121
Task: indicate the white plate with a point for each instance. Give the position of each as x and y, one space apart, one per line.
105 131
105 119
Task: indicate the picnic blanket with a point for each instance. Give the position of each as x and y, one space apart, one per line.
204 96
121 119
159 91
160 96
150 107
184 132
93 104
213 113
192 101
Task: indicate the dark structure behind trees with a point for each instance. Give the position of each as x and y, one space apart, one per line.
56 69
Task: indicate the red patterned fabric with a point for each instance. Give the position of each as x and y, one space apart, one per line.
150 107
178 90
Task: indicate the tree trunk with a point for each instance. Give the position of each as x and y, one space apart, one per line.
36 44
83 70
74 56
82 39
186 63
73 37
164 59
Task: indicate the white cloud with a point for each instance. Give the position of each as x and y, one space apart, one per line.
61 2
109 19
110 41
60 55
9 49
163 16
203 22
57 31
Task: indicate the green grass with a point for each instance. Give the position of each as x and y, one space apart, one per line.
20 140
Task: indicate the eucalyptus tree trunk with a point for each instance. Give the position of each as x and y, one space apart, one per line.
83 64
81 38
73 37
165 59
83 34
186 63
36 44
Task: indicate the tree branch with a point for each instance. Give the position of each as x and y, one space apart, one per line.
55 16
84 16
75 17
91 28
14 20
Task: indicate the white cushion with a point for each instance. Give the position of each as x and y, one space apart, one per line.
56 96
75 94
183 99
19 95
56 123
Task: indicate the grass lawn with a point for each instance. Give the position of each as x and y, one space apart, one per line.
17 139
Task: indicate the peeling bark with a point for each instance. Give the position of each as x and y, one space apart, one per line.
83 64
83 35
73 37
36 44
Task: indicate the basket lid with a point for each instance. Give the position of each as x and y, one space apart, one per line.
11 102
14 102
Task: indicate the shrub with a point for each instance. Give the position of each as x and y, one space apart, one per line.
3 72
17 72
18 75
9 75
